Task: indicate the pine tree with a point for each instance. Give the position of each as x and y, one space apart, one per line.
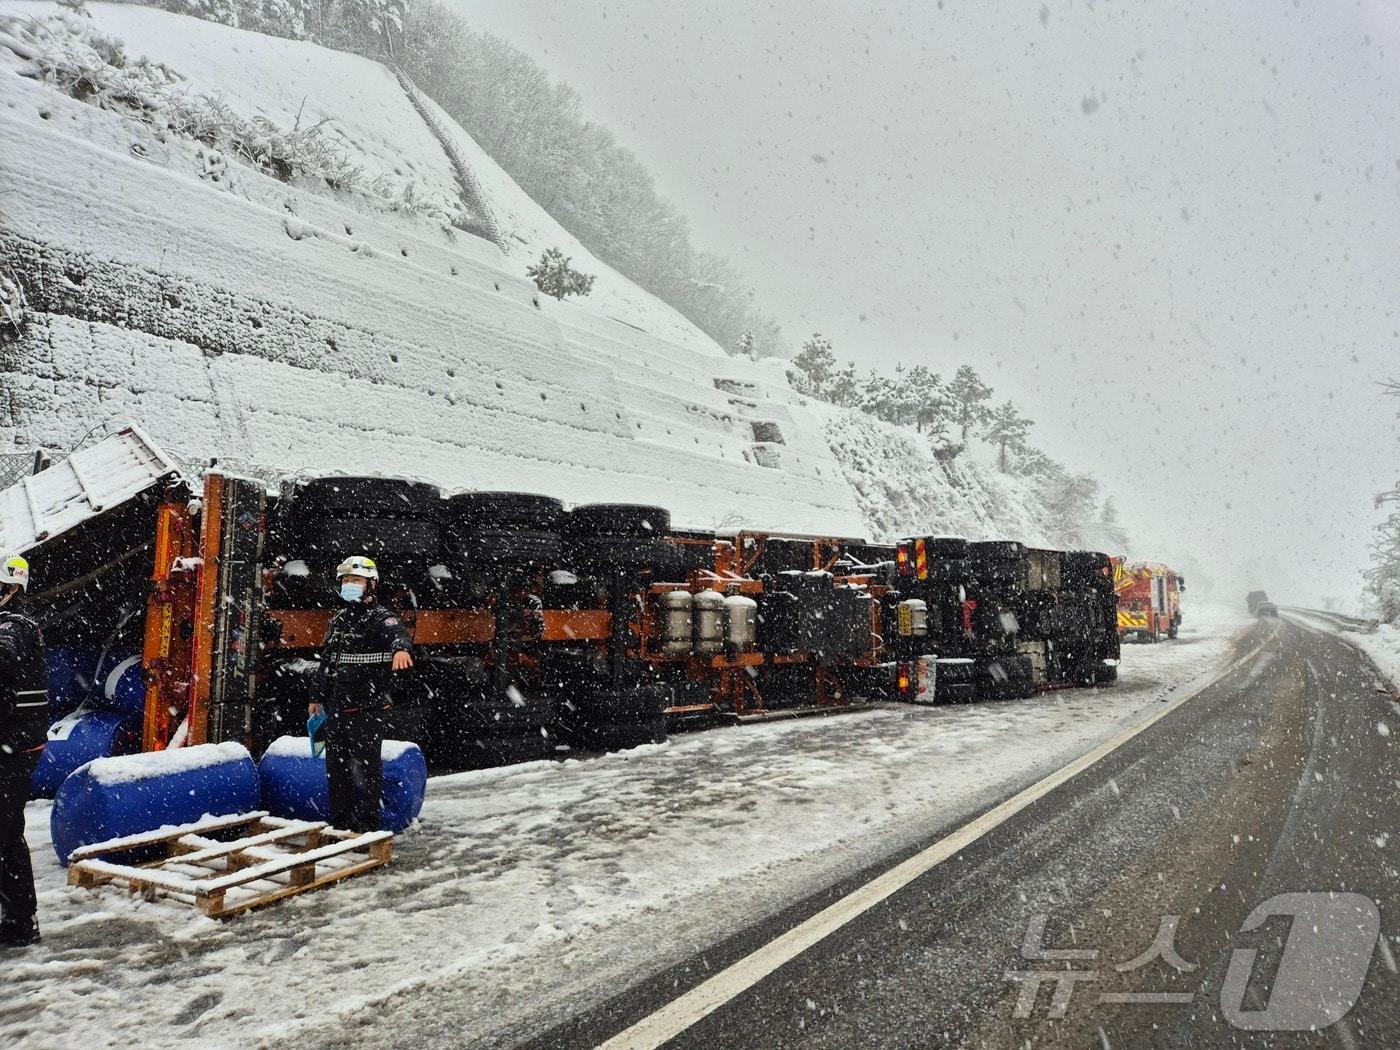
814 365
932 407
745 345
876 396
1383 577
904 404
970 396
1007 429
1068 501
844 386
1111 529
554 276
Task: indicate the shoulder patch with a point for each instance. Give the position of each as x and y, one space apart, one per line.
391 621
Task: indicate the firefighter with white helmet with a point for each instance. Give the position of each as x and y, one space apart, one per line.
365 646
24 721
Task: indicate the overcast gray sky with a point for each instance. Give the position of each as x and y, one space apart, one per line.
1169 229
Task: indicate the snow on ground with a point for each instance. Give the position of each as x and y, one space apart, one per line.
527 893
1382 647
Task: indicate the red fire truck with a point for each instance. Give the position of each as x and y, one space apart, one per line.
1149 599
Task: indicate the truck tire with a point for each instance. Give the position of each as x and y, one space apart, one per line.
390 540
616 721
359 497
997 550
505 510
593 520
622 537
501 530
623 738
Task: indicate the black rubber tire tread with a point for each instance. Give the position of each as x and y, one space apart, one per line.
997 550
387 539
360 497
618 520
505 718
623 738
624 552
945 547
491 547
505 511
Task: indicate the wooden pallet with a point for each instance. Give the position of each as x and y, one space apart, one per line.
271 858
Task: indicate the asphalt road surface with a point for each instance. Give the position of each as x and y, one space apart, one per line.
1279 778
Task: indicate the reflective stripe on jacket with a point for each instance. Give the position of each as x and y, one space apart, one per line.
357 656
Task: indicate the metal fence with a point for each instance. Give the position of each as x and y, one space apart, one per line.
14 466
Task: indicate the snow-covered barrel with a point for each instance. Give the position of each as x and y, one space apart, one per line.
78 738
294 784
114 797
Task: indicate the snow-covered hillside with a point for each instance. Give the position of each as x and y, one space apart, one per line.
285 327
282 325
903 489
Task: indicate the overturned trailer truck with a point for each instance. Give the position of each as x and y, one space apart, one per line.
1006 620
600 626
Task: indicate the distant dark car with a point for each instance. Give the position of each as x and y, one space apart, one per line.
1254 598
1266 608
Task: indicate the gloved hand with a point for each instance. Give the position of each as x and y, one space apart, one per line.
314 725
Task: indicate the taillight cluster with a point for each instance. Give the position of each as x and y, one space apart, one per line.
911 558
916 679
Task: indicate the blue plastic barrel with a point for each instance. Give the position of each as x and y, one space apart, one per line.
120 686
77 739
294 784
70 677
113 797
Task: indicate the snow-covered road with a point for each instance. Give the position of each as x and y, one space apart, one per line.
528 893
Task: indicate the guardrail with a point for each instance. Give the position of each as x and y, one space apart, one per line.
1357 624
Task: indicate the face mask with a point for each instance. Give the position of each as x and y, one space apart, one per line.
352 592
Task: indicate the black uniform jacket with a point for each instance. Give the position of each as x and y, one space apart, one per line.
24 685
357 659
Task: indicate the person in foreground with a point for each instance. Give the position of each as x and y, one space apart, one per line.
24 720
365 646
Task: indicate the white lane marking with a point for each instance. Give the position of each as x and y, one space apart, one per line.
705 998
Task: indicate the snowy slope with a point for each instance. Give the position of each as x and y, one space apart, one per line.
291 328
293 82
902 489
282 329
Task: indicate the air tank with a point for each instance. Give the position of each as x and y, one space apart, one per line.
741 618
709 622
677 616
913 618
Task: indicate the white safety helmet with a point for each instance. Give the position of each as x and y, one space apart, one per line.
357 565
15 569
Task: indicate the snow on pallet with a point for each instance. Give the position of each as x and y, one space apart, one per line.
270 859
